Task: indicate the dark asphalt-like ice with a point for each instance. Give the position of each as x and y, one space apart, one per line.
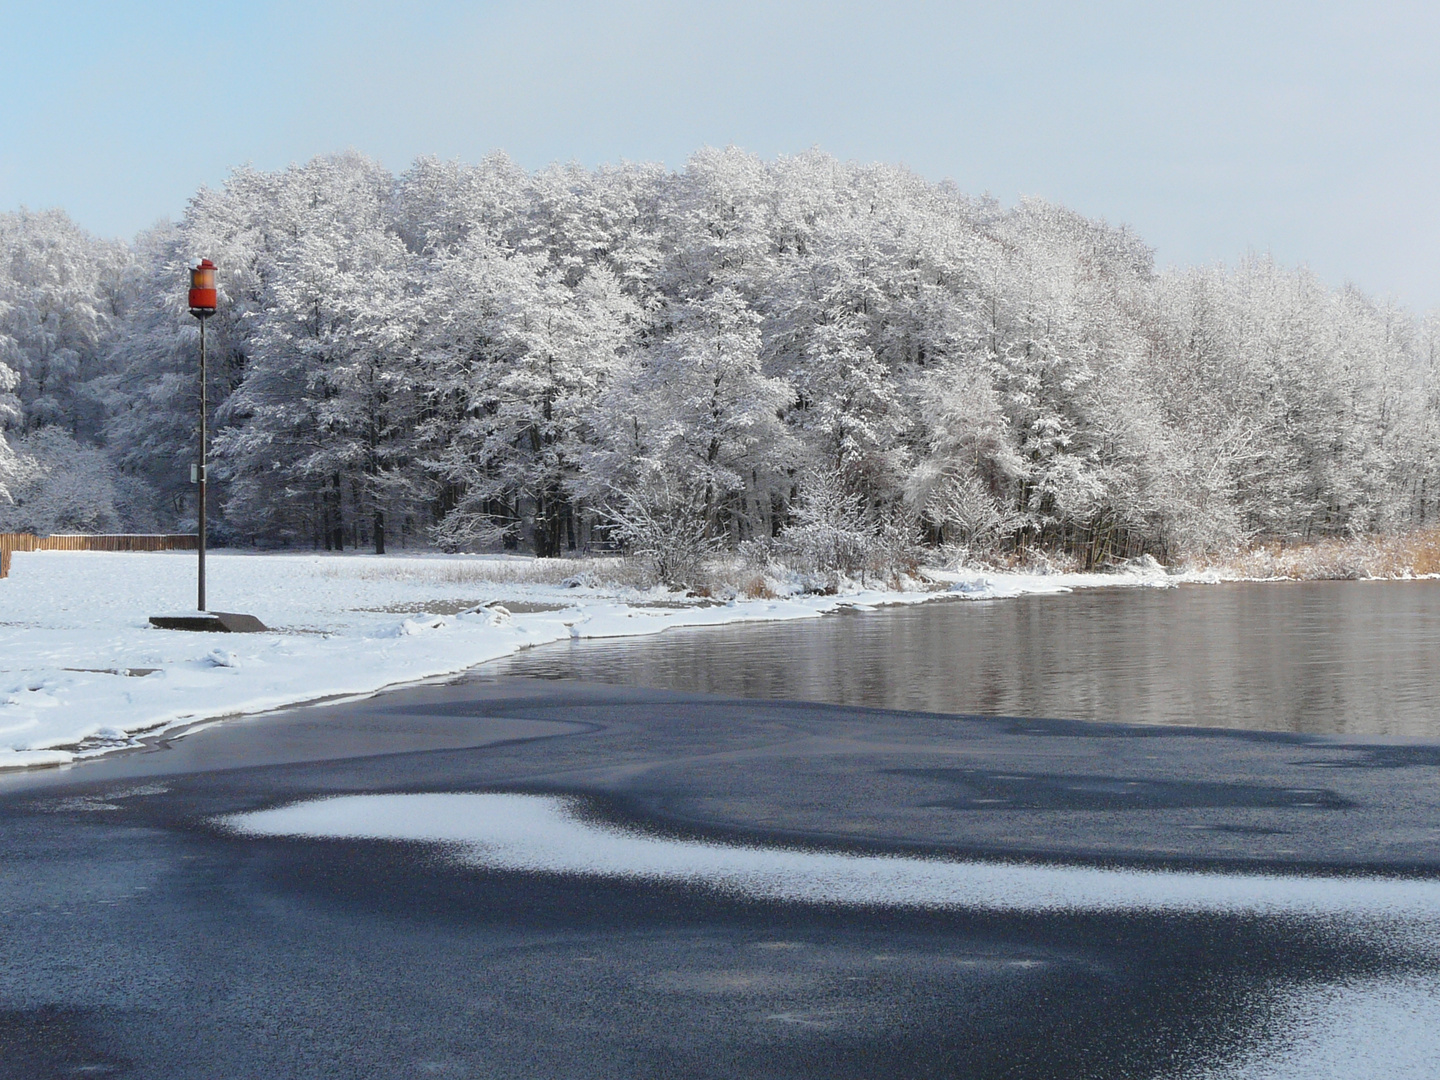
145 933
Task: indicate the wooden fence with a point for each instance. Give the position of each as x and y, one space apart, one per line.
11 542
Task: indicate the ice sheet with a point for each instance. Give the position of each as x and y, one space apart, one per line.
1350 1029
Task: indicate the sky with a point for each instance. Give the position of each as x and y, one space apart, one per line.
1308 131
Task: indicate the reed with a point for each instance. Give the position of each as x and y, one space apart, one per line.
1403 555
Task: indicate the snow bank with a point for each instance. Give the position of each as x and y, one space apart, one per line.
82 671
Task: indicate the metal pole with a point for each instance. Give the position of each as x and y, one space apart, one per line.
204 433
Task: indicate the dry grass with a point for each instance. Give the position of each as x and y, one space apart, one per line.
1406 555
462 571
757 588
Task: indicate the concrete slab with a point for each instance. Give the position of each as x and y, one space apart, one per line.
213 622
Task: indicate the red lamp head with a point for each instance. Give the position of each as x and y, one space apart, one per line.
202 289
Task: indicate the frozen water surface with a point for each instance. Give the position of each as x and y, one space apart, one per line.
1381 1028
552 835
1346 1030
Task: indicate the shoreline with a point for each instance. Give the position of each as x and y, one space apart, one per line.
380 637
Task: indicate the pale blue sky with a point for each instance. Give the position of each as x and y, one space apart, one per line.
1308 130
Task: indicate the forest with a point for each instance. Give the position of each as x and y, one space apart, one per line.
835 363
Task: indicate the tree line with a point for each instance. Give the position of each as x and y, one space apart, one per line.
738 352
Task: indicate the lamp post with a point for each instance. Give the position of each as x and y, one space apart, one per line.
202 306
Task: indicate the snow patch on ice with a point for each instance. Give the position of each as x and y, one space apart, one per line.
551 834
1386 1028
1354 1030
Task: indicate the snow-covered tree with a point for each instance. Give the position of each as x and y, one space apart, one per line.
316 437
482 354
60 485
696 417
518 352
62 293
9 414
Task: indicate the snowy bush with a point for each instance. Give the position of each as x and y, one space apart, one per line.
831 535
662 530
834 539
469 532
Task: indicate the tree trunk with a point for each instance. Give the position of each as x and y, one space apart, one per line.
379 532
338 522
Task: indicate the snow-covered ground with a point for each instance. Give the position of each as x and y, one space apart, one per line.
82 671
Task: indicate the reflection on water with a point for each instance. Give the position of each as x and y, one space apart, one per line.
1341 657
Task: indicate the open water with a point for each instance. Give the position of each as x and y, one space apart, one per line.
1330 657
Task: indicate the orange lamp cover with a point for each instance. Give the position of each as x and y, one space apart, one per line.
202 286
